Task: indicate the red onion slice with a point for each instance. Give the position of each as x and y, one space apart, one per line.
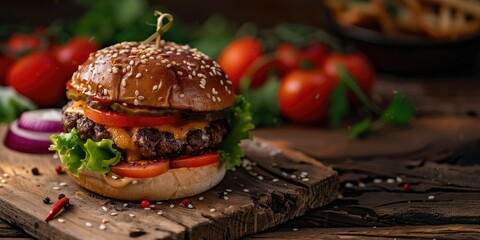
43 120
26 141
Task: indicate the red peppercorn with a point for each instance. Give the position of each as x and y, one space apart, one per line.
406 186
59 169
145 204
185 202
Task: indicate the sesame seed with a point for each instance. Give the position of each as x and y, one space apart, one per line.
229 82
137 93
190 77
202 86
88 224
179 73
105 91
190 206
155 88
431 197
104 208
361 184
349 185
54 188
125 204
172 206
202 67
212 210
169 65
390 180
194 73
147 208
228 190
102 227
131 215
260 178
160 212
62 184
399 179
115 70
61 220
138 75
225 197
219 99
246 190
293 176
275 180
141 98
109 70
214 91
134 182
305 179
182 95
159 203
295 229
377 180
132 62
113 214
200 198
214 99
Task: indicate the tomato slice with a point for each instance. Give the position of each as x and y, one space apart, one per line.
115 119
195 161
127 169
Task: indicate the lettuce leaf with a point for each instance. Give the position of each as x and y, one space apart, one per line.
76 155
239 118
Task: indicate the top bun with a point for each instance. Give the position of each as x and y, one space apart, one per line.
170 76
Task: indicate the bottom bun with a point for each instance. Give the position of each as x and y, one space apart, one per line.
176 183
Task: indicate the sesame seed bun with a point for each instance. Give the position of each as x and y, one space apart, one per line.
170 76
175 183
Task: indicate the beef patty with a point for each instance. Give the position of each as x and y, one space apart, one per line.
151 142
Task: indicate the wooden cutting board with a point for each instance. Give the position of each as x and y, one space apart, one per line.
264 194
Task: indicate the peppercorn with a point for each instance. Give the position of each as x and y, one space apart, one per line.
35 171
59 169
46 200
145 203
61 196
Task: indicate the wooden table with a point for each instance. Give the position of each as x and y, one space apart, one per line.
438 156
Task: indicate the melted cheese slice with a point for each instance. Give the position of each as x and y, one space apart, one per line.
181 129
123 140
76 107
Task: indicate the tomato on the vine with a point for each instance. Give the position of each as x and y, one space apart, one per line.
38 76
21 42
304 96
74 53
289 58
356 64
238 56
315 53
5 63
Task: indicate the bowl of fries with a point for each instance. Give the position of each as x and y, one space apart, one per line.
410 36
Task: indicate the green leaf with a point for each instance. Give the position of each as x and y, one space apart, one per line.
399 112
265 109
361 129
76 155
239 118
70 148
338 107
352 84
12 104
101 155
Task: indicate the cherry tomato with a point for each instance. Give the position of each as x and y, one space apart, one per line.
5 62
127 169
195 161
304 96
74 53
315 53
115 119
39 77
357 65
289 58
237 57
20 42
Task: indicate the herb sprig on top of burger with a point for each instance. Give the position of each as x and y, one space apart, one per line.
151 120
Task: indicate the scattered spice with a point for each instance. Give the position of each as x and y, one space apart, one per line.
102 227
57 207
46 200
59 169
145 203
185 202
35 171
88 224
61 196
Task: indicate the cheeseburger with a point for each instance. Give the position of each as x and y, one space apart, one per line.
150 121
